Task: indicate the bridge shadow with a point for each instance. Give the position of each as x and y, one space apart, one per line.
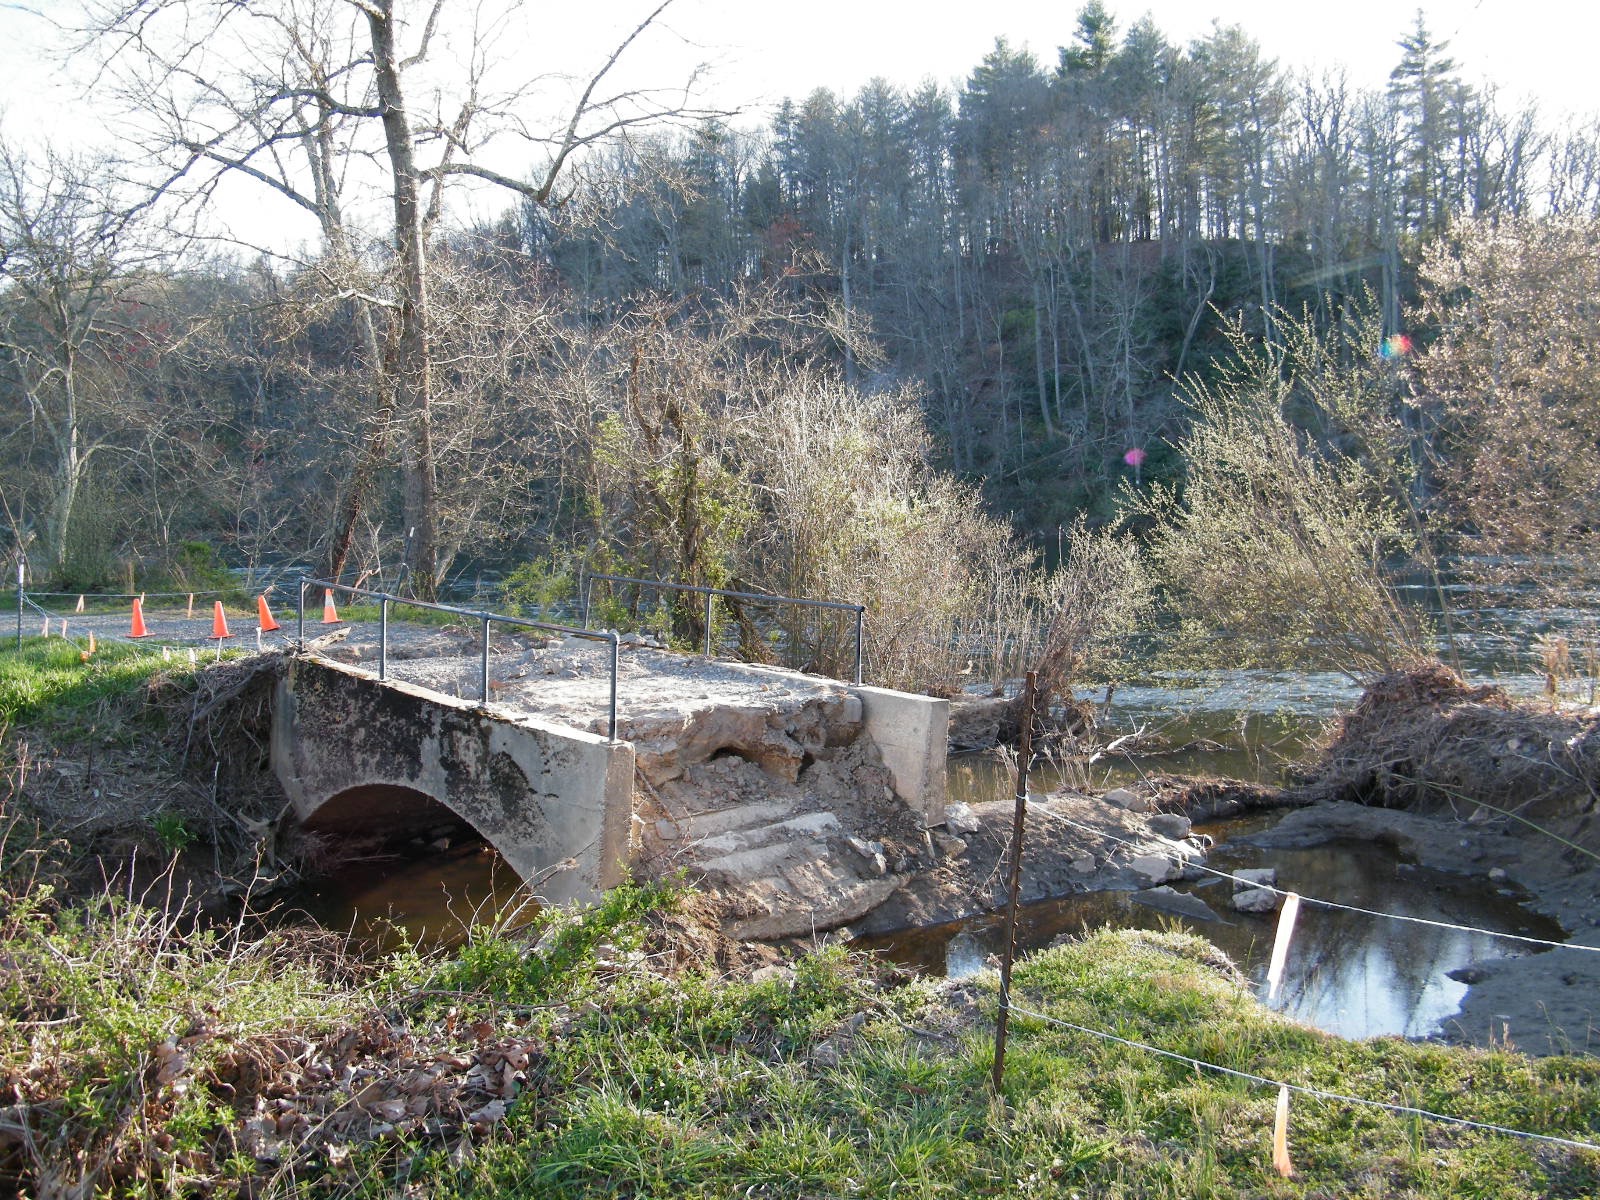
384 816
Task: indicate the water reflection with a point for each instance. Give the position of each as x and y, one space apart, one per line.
1349 974
430 902
1249 746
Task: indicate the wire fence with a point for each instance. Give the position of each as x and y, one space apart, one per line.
1303 1089
1315 901
1008 1006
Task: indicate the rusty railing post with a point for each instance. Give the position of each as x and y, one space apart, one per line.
1018 820
611 720
383 637
861 611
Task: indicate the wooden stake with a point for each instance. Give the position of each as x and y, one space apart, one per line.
1280 944
1019 818
1280 1137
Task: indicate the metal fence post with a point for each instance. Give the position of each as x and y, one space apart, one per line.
483 663
300 618
584 583
860 612
611 720
710 597
22 564
383 638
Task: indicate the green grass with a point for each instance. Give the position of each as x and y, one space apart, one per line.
700 1089
118 1017
399 612
838 1078
49 679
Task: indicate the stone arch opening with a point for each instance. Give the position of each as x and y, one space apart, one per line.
388 820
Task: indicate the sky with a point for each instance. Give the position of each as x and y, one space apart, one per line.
759 51
1541 49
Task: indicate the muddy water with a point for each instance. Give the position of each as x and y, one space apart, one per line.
430 902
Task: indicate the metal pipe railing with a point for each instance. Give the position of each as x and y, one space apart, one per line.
486 621
712 593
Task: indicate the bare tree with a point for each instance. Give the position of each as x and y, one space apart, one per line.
306 97
72 326
1515 370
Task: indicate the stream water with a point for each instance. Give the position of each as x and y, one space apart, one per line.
1347 973
429 902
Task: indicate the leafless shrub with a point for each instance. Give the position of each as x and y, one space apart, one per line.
1274 551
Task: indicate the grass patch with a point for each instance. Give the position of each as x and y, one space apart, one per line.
50 679
828 1084
400 613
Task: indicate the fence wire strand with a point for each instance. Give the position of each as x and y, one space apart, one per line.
1302 1089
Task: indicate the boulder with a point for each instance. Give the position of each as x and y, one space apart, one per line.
960 819
1249 890
1170 825
1126 798
1169 900
1157 868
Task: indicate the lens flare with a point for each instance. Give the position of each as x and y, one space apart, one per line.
1396 345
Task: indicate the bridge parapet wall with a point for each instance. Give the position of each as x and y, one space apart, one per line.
539 793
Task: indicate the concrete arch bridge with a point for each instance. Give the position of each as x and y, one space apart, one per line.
804 801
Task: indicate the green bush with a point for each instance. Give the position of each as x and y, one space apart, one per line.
535 588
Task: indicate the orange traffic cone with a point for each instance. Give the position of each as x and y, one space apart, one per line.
264 615
330 615
138 630
91 641
219 624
